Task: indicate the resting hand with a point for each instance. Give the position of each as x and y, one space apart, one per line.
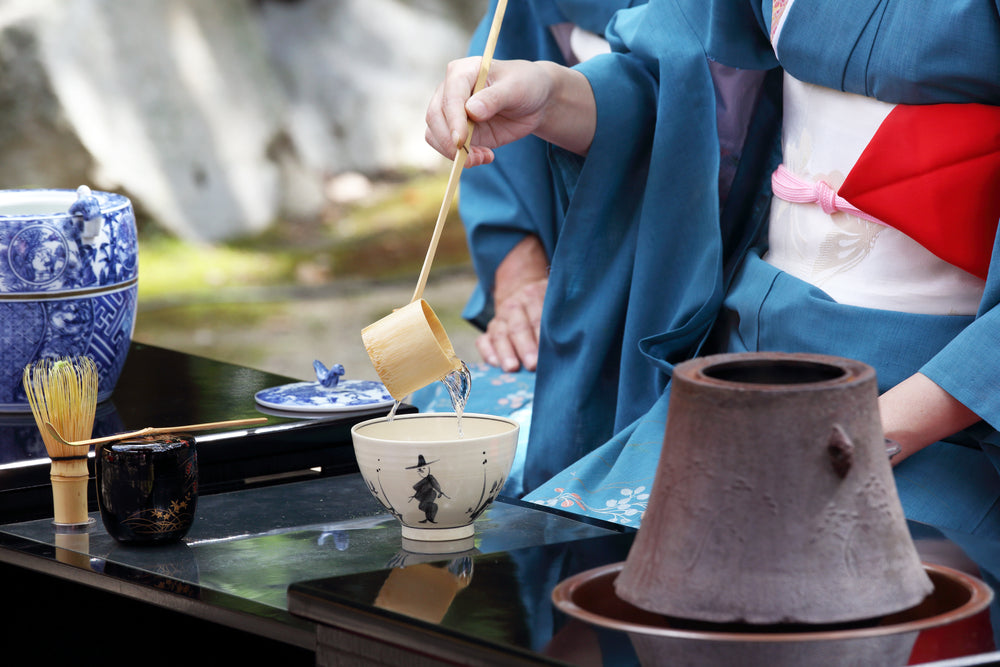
917 412
519 98
511 337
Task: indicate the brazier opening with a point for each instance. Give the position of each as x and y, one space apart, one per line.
774 371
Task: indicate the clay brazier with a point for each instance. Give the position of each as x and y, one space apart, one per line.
773 500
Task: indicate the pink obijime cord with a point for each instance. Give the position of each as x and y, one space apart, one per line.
789 187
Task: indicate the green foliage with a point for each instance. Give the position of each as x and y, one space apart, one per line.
385 236
302 289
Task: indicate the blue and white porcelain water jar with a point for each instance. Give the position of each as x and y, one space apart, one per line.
68 283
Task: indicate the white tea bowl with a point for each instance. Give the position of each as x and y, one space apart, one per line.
436 480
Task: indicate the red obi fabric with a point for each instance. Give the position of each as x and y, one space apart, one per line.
933 173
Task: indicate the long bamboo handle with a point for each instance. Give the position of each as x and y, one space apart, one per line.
153 430
461 154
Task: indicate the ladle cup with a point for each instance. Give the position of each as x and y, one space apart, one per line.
410 349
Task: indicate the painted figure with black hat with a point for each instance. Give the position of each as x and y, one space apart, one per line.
427 490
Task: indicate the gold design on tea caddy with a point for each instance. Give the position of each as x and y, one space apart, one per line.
157 520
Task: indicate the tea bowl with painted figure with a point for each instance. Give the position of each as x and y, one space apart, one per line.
434 478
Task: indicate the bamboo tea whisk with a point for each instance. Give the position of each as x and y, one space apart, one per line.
63 392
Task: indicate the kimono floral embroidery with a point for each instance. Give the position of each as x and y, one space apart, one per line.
517 400
626 509
777 11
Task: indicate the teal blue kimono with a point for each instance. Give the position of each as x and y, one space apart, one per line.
658 257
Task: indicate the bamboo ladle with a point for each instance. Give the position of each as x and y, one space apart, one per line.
152 430
409 347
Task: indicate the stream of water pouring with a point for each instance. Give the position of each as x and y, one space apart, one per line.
459 384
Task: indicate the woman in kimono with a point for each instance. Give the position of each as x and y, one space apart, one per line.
749 175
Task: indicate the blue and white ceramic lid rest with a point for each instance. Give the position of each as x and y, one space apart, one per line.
328 394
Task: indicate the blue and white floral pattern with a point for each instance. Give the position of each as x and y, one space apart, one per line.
68 284
48 253
314 397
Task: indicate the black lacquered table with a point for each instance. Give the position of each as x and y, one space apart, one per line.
315 571
503 614
160 387
291 561
234 568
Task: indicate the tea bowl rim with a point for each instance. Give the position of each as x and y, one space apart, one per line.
357 428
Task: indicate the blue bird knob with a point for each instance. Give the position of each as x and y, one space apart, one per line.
328 377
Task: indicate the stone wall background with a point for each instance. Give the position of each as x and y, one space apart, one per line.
219 118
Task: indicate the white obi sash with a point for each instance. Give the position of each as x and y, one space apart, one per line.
855 261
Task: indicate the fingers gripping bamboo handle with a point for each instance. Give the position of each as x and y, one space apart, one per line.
461 154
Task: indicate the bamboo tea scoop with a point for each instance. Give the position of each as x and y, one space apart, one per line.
409 347
152 430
